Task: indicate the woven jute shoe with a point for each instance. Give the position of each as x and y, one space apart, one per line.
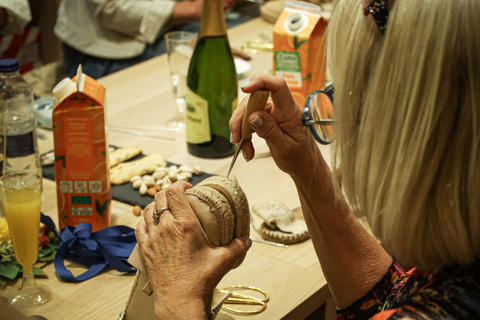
222 209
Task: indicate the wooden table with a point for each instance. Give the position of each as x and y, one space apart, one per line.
141 95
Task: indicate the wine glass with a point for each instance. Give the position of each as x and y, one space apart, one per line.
180 45
22 199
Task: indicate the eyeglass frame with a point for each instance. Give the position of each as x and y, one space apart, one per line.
379 10
307 121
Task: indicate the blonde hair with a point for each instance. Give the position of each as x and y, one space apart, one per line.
408 110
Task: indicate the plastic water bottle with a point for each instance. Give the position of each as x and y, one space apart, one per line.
16 98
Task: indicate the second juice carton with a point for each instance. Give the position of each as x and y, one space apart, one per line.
299 38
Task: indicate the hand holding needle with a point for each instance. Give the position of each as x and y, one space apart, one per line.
256 102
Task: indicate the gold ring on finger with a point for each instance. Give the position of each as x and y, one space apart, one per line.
156 214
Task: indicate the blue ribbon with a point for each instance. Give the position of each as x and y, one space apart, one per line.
107 247
46 220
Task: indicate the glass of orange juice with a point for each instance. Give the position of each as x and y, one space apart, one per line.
22 199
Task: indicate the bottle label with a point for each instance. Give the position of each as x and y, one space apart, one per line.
197 122
287 65
21 145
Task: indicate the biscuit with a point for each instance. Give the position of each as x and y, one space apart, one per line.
125 171
123 154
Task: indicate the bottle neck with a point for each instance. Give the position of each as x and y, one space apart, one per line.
212 23
9 74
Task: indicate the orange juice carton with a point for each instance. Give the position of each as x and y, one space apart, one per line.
82 173
299 38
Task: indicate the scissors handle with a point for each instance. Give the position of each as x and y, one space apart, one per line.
256 102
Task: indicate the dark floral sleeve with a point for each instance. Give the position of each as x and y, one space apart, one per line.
374 300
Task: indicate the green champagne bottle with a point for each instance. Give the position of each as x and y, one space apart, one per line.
211 87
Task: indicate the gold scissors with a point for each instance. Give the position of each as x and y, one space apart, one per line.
237 298
256 102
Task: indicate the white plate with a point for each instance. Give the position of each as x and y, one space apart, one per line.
241 65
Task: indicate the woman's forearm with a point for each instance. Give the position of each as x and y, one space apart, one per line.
189 311
351 259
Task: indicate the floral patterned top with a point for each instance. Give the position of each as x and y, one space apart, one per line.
451 293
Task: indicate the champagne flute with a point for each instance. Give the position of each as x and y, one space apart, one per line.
22 199
180 46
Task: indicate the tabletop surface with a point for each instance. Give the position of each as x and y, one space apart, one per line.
141 95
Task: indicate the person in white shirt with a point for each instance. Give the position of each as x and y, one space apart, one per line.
107 36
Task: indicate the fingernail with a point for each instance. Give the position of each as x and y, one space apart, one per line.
248 243
245 84
231 137
245 155
257 122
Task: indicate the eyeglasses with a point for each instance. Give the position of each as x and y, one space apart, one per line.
318 115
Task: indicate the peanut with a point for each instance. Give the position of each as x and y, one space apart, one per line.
151 191
137 210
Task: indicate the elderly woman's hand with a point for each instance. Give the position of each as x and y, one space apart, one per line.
182 264
291 146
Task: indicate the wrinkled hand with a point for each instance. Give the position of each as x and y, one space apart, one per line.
290 144
182 264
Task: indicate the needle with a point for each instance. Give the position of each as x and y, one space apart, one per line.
256 102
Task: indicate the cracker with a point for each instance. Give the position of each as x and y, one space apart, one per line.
125 171
123 154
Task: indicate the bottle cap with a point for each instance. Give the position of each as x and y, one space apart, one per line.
63 88
295 22
9 65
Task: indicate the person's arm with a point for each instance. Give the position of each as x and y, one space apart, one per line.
3 18
143 20
14 16
351 259
185 11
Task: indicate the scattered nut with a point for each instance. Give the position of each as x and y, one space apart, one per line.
185 176
135 178
185 168
151 191
48 161
166 183
197 170
137 210
149 181
143 188
172 173
136 184
159 175
162 178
